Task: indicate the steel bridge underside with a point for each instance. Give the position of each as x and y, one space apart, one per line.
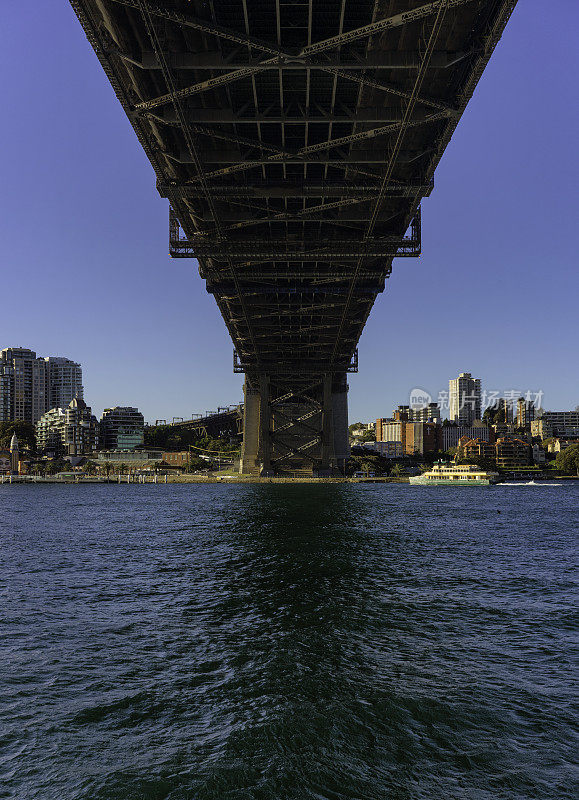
294 140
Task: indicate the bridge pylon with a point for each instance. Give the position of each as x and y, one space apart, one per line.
295 426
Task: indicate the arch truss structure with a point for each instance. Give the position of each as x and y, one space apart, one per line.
294 140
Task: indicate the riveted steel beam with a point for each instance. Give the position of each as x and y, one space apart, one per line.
215 60
239 74
283 249
202 25
379 26
289 116
334 189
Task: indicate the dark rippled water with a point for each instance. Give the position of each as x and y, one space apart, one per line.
299 642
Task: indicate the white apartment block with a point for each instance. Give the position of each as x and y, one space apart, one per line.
465 399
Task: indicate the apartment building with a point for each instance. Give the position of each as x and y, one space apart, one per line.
452 434
72 430
411 437
525 413
556 423
122 428
465 399
30 386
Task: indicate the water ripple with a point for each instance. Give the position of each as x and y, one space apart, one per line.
294 642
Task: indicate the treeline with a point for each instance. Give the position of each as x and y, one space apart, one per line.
167 437
24 431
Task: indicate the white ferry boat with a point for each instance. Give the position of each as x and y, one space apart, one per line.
456 475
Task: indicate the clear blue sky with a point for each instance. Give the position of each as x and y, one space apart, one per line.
83 236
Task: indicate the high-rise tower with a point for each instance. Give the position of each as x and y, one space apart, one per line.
30 385
465 399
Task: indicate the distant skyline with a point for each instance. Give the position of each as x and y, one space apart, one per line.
84 237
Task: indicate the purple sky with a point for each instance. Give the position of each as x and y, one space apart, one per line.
83 236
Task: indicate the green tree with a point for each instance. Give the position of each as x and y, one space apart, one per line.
196 463
24 431
397 470
57 465
567 461
494 415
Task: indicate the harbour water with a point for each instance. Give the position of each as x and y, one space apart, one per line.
288 642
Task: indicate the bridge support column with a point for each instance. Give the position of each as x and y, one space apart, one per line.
264 427
295 425
256 448
249 463
326 461
340 432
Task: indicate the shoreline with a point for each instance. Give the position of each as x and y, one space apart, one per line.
235 479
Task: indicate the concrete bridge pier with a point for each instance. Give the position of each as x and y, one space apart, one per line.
295 425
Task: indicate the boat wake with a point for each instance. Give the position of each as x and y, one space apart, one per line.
529 483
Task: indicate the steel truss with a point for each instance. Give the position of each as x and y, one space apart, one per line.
282 249
294 141
290 424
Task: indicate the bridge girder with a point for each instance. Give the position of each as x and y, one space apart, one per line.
294 144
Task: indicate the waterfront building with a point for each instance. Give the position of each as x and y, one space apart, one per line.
423 437
64 381
72 430
384 433
508 453
50 431
26 385
361 429
385 449
6 383
412 437
30 385
539 455
81 428
132 458
513 453
525 413
390 430
122 428
475 449
465 399
401 413
557 445
429 413
556 423
451 434
180 459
